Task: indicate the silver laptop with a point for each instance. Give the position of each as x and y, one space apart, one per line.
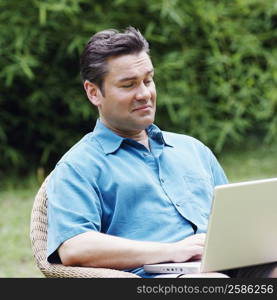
242 229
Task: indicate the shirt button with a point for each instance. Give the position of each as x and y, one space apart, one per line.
162 180
178 204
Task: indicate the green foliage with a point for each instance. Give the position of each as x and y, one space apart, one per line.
215 65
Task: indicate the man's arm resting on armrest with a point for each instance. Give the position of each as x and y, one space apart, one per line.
95 249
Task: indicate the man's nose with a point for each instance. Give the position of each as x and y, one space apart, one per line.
143 92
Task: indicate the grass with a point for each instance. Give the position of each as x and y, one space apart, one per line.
251 162
16 259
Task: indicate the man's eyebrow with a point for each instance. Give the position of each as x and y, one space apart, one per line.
135 77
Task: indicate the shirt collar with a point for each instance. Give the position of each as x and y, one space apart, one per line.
110 141
155 133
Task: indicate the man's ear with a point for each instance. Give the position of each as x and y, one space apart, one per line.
93 92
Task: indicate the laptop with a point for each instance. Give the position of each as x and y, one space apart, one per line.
242 229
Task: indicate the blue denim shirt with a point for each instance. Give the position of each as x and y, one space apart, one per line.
115 185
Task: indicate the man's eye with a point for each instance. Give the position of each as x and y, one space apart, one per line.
127 85
148 82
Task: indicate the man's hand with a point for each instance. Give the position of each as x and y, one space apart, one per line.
191 248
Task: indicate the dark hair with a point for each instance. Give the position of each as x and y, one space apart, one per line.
107 43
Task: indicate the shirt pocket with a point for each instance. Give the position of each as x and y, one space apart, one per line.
200 190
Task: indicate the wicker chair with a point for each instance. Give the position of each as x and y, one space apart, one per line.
38 235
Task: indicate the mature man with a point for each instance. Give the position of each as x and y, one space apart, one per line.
128 194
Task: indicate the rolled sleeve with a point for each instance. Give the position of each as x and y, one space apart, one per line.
73 207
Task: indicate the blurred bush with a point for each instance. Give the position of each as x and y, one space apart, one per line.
215 67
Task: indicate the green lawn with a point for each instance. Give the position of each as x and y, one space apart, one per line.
252 162
16 259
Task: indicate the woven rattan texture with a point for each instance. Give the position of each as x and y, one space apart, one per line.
38 235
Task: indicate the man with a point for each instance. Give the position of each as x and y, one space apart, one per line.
128 194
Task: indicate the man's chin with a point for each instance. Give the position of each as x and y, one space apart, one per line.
145 123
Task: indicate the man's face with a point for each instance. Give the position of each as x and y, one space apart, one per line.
129 100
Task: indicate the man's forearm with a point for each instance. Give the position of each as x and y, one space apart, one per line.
94 249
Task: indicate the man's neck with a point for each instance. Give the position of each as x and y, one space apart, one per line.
138 135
